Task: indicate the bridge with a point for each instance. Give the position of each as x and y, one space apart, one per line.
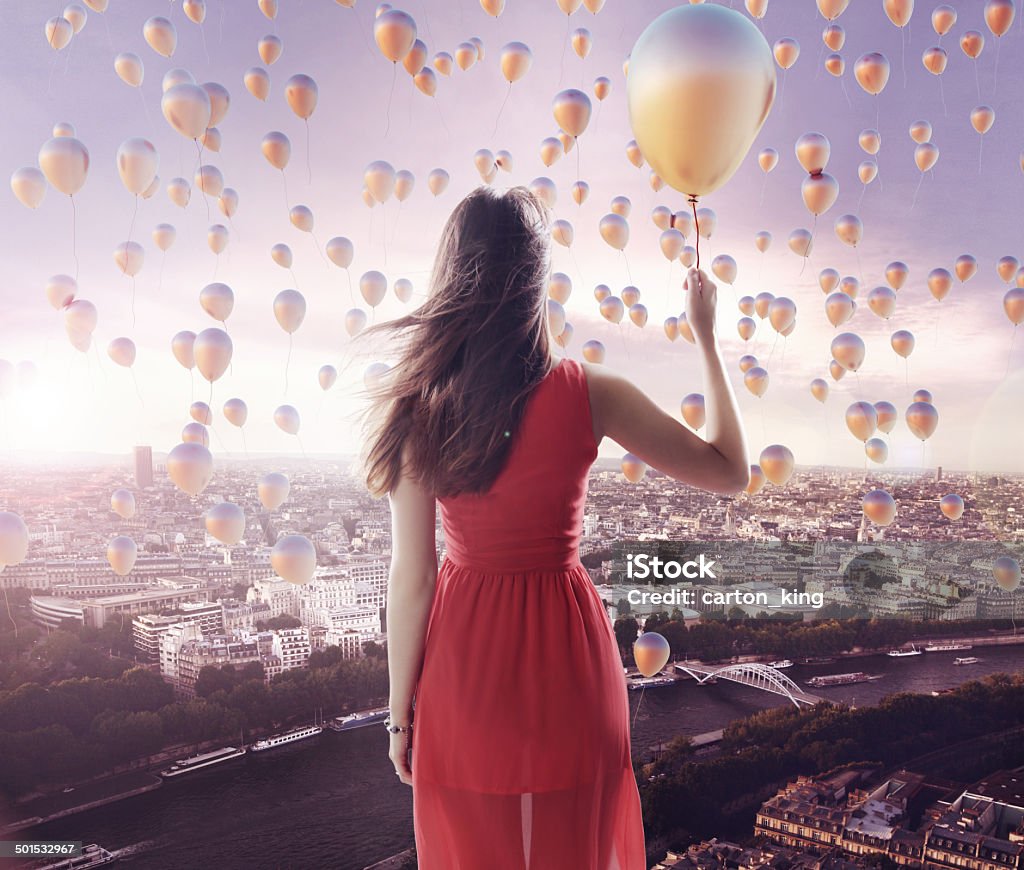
754 674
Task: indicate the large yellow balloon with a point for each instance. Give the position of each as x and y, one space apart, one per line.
701 83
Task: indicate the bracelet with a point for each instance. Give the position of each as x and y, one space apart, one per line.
396 729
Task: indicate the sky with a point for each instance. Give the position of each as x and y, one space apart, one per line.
369 110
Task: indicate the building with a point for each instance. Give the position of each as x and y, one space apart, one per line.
143 457
214 651
148 628
292 647
279 595
98 611
50 611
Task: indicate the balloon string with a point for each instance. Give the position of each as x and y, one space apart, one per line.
74 235
309 169
138 392
320 249
903 57
981 145
131 228
287 363
977 78
942 96
10 616
995 74
846 93
918 188
133 295
245 445
287 204
206 51
394 75
638 703
508 93
696 221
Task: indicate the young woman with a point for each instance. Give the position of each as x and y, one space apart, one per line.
509 715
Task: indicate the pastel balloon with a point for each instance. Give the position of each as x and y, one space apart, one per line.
861 420
943 19
707 62
923 396
282 255
828 280
602 87
161 35
614 230
903 342
934 60
81 316
59 32
762 240
13 539
786 51
379 178
416 59
257 82
129 257
404 183
212 349
1007 268
121 554
757 480
122 351
236 412
801 242
747 362
301 217
692 409
671 327
971 43
867 171
374 287
437 181
217 300
289 310
777 463
65 163
293 557
277 149
287 419
849 229
195 10
724 268
493 7
580 192
746 327
651 653
269 48
612 309
836 370
887 416
201 413
210 180
762 303
921 131
922 419
870 141
186 107
781 313
926 155
217 238
443 63
374 374
637 314
226 522
179 191
876 450
813 151
129 68
593 351
940 282
848 350
689 256
882 301
29 186
228 202
273 489
896 274
872 72
582 42
355 321
556 318
999 16
122 503
268 8
182 345
952 506
302 94
767 159
879 507
633 468
966 267
176 76
706 222
195 433
756 380
819 389
1013 305
394 32
220 101
982 119
190 467
835 64
327 376
633 153
833 35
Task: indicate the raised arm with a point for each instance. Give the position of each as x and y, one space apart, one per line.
627 416
410 595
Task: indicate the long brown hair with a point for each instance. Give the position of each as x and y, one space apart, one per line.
470 355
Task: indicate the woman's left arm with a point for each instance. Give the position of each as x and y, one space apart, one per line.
411 586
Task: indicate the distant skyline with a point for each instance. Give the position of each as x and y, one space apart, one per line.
84 402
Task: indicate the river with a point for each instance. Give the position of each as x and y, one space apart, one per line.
334 802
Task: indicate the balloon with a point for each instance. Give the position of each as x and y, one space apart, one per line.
289 309
836 370
355 321
443 63
404 183
922 419
757 480
872 72
870 141
801 242
650 652
374 374
756 380
61 290
269 48
952 506
379 178
672 243
781 313
121 554
1006 571
819 389
849 229
374 287
437 181
757 8
999 16
327 376
943 19
848 350
633 468
282 255
922 396
887 416
614 230
65 163
182 347
122 503
277 149
902 342
179 191
301 93
940 282
236 412
563 233
813 151
580 192
879 507
81 316
301 217
689 256
228 202
13 539
190 467
268 8
273 490
839 308
593 352
867 171
638 314
934 60
747 362
29 186
921 131
195 433
217 238
705 62
1007 268
59 32
633 153
882 301
602 87
293 557
982 119
834 37
926 155
671 327
493 7
777 463
560 287
724 268
217 300
877 450
762 303
257 82
692 409
415 61
762 240
786 51
971 43
896 274
706 222
212 349
861 420
226 522
122 352
582 42
287 419
176 76
201 413
220 101
828 280
746 327
835 64
621 206
186 107
195 10
767 159
612 309
556 317
1013 305
571 109
966 267
394 32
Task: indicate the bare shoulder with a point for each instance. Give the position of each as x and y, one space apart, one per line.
606 390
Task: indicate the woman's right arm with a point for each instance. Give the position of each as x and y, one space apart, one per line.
627 416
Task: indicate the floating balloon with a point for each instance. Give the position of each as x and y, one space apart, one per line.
65 163
122 352
819 389
612 309
896 274
327 376
756 380
966 267
287 419
887 416
437 181
293 557
355 321
122 503
828 280
879 507
692 409
179 191
257 82
190 467
786 51
926 155
777 463
394 32
781 313
922 419
903 342
593 351
650 652
952 506
849 229
217 300
882 301
302 94
374 287
186 107
602 87
121 554
999 16
236 412
940 282
212 350
633 468
29 186
289 310
861 420
872 72
757 480
226 522
848 350
876 450
870 141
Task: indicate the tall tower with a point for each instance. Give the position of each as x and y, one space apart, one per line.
143 466
938 474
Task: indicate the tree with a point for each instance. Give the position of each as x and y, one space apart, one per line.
626 629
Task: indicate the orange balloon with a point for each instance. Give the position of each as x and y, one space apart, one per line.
651 652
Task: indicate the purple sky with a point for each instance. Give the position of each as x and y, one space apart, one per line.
85 402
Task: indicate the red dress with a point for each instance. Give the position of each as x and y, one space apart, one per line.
521 753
